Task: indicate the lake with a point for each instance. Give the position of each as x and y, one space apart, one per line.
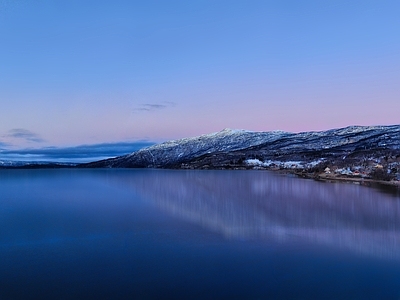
133 233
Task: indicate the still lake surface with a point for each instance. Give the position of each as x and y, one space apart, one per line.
68 234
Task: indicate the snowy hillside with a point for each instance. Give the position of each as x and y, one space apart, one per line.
234 148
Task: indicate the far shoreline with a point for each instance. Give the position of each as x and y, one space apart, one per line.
337 178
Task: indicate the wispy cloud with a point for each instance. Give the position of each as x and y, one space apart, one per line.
150 107
24 134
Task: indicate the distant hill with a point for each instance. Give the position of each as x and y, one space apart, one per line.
354 146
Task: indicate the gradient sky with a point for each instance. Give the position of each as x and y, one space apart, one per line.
86 72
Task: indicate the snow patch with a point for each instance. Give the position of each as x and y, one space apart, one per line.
254 162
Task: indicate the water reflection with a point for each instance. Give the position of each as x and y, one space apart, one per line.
263 205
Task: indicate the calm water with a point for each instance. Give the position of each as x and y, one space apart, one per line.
68 234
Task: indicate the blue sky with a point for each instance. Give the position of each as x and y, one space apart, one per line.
91 72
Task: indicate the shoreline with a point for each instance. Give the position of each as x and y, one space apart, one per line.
338 178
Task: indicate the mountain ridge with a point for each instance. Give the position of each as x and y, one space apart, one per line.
352 146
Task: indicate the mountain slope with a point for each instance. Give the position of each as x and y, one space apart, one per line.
232 149
171 153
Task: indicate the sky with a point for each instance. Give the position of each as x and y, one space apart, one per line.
92 72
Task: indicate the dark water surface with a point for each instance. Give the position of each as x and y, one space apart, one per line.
71 234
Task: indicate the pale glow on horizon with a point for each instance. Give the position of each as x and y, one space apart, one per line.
77 74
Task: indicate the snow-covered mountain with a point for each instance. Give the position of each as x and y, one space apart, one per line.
234 148
171 153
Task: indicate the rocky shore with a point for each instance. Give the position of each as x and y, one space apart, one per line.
346 179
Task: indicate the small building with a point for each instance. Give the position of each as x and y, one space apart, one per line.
327 170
